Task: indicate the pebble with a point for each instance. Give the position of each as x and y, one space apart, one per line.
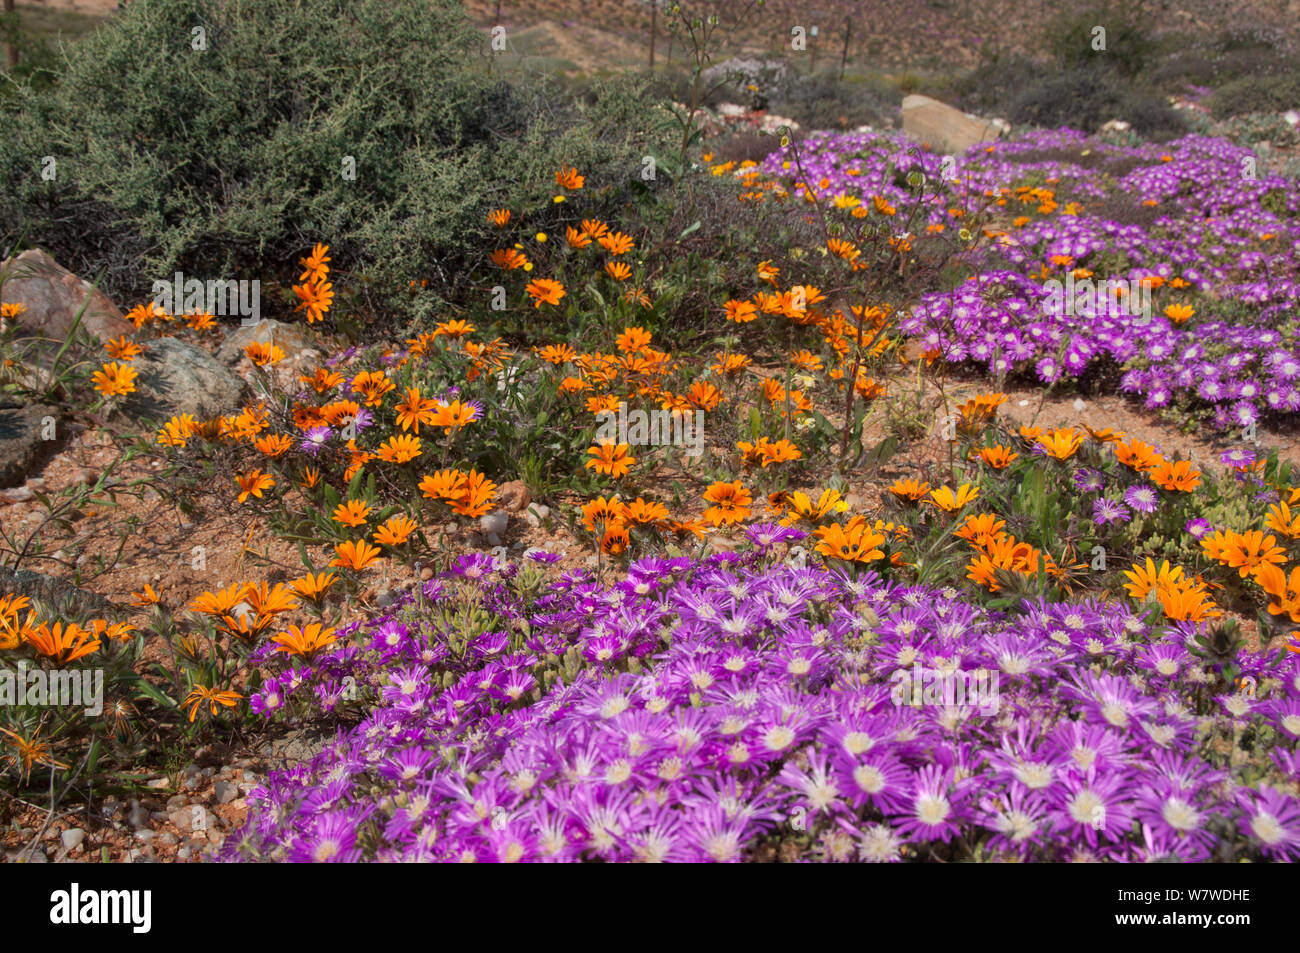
72 837
158 784
385 598
494 523
536 513
176 802
191 818
145 836
166 838
225 792
18 494
514 495
493 539
426 574
137 816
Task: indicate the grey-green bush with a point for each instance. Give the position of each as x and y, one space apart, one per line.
212 136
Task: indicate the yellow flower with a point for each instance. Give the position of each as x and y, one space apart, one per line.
352 513
949 501
201 693
304 641
396 530
115 380
253 483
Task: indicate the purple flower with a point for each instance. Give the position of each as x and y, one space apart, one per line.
1237 457
1142 498
1109 511
314 438
1198 527
1272 820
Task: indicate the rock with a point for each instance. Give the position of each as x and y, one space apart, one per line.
158 784
138 815
191 819
494 523
83 475
179 378
145 836
514 496
166 838
72 838
426 574
53 296
493 539
35 857
21 494
290 338
943 128
536 513
29 434
225 792
176 802
385 598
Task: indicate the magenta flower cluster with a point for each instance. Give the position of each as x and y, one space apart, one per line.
720 710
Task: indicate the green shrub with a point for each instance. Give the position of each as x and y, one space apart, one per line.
1086 99
228 161
1129 45
1255 94
823 102
991 87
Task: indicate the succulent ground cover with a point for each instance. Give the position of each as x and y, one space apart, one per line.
1057 643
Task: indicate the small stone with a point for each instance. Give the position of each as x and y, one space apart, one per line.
176 802
385 598
494 523
158 784
166 839
451 529
145 836
426 574
225 792
36 857
473 540
137 816
192 818
72 837
514 496
183 854
493 539
18 494
536 513
1079 405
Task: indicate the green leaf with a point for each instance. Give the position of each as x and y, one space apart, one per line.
694 226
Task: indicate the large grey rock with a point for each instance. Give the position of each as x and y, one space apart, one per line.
29 433
291 338
943 128
179 378
53 296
